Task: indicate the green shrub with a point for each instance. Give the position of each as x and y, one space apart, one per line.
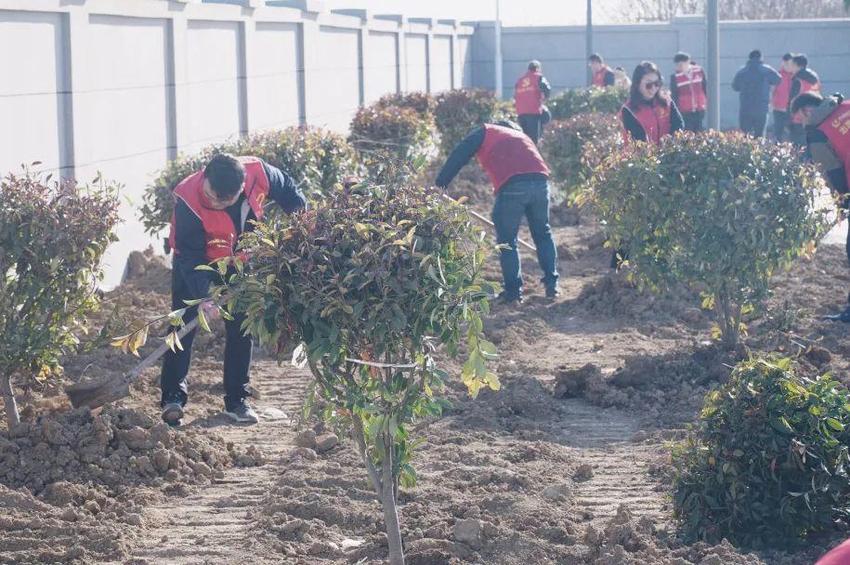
573 148
768 461
389 140
459 111
722 210
420 102
53 236
370 282
315 158
586 100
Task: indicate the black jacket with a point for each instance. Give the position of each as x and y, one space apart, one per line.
190 240
753 82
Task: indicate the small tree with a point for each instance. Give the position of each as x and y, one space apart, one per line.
371 283
420 102
574 101
389 139
767 462
458 111
53 236
573 148
315 158
722 210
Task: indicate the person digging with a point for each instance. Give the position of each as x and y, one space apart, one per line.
520 179
213 207
827 123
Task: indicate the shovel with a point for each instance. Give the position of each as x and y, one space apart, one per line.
96 394
482 219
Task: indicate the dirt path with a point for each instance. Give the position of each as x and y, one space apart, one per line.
212 525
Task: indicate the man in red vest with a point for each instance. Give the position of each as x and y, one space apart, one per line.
805 80
603 76
780 98
530 92
212 209
827 123
520 180
689 91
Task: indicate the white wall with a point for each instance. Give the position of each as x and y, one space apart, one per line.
33 91
121 86
441 63
381 67
417 62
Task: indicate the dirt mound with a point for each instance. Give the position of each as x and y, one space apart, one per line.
114 449
614 296
32 531
665 390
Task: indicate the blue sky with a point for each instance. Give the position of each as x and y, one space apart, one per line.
514 12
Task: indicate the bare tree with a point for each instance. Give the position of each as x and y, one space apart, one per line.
664 10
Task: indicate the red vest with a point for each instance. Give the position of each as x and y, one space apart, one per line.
599 76
805 86
506 153
654 119
690 86
218 225
779 101
837 130
838 556
528 98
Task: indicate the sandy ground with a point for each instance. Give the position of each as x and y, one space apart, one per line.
515 477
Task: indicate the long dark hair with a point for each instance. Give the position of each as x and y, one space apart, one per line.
643 69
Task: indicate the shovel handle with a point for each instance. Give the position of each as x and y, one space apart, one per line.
158 352
481 218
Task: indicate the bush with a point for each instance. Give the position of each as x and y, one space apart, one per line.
573 149
389 140
53 235
586 100
315 158
459 111
370 283
724 211
420 102
768 460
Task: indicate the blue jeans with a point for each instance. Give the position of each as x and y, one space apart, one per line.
529 198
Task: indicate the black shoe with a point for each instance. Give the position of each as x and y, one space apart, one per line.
842 317
242 412
506 297
553 292
172 414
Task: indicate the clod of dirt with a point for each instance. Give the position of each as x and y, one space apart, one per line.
468 531
583 473
556 492
571 383
326 442
818 356
307 439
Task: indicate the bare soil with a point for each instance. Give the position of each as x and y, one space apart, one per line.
568 463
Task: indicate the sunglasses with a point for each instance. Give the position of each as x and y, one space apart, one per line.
653 84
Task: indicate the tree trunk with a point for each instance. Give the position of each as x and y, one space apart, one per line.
388 501
729 321
13 418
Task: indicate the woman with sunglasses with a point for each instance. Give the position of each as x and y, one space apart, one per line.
649 114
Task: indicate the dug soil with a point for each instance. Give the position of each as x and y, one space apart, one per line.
568 463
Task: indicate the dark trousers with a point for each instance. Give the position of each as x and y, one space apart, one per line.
175 365
529 198
693 120
532 126
753 124
797 134
780 125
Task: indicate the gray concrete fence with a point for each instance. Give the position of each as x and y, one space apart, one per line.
121 86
